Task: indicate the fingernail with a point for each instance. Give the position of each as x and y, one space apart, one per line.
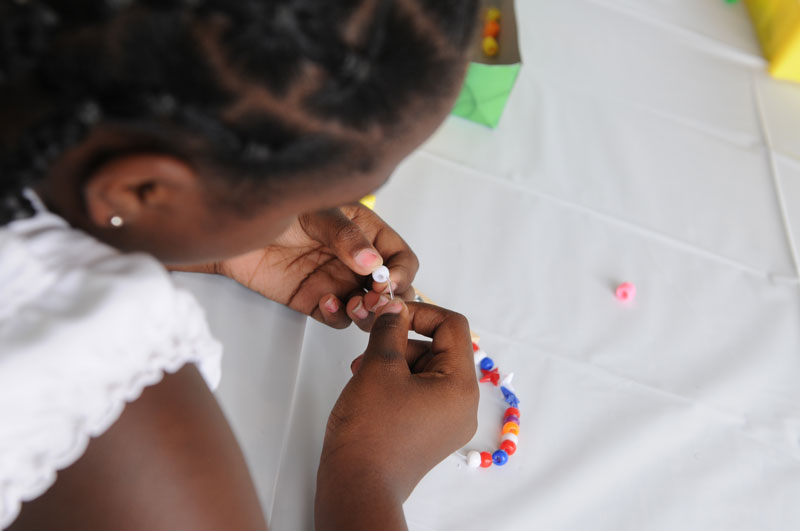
382 301
331 305
395 306
360 312
368 259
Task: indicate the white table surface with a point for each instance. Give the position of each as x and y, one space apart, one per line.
643 143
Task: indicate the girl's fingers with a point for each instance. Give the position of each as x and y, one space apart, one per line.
397 255
363 244
388 340
403 268
345 238
361 308
418 353
451 345
358 313
332 312
408 295
373 301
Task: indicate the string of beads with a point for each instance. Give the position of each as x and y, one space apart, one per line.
509 433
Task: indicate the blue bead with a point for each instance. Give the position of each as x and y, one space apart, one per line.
510 397
487 364
500 457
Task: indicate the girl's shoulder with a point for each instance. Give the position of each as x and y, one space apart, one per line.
83 329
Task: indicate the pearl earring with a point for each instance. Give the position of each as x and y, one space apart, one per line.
116 222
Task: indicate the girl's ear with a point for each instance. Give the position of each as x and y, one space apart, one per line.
136 188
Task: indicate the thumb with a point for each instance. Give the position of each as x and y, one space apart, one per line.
388 339
339 233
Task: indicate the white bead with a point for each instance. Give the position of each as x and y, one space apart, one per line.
381 274
509 437
506 381
478 356
473 459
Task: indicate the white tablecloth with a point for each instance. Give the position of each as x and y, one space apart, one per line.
643 143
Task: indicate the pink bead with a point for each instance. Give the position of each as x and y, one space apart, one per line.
626 292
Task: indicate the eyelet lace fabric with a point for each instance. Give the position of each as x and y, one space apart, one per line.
83 330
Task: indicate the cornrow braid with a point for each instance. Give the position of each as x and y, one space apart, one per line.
144 64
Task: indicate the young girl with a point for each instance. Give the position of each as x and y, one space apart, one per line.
225 133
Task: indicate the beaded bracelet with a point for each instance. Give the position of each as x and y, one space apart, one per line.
509 433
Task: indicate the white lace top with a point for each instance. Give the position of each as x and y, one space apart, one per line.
83 329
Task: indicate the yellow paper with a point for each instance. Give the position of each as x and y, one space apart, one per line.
777 25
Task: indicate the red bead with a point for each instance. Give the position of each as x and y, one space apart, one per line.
475 347
512 412
490 376
486 460
509 447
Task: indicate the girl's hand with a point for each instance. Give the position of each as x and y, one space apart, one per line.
409 405
321 265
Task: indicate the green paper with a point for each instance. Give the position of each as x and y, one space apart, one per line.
486 92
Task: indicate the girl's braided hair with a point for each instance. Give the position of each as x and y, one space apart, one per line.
169 72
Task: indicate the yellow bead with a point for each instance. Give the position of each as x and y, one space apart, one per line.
493 14
490 46
369 201
510 427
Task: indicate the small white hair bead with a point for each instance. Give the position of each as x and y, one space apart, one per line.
473 459
506 381
381 274
478 356
509 437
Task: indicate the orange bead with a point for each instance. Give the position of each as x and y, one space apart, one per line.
490 46
491 29
509 447
510 427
